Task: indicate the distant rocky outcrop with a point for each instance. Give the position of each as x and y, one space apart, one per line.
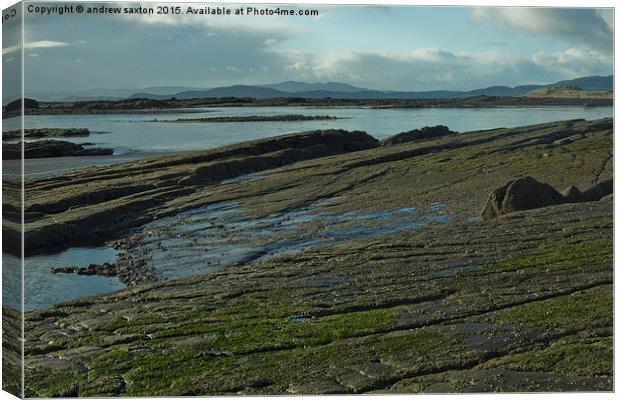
527 193
50 148
427 132
255 118
16 105
46 132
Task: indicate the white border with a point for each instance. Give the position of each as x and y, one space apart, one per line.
529 3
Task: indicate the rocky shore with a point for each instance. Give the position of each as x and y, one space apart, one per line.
519 302
51 148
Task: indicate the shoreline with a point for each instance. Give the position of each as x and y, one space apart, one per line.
189 106
59 165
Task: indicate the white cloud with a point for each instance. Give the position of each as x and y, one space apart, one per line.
584 26
270 42
432 68
574 62
239 23
41 44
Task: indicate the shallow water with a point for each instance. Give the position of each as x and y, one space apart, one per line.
209 238
131 133
43 288
219 235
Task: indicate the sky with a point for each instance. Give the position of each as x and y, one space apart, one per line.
376 47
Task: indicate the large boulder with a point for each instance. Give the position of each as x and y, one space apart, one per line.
428 132
520 194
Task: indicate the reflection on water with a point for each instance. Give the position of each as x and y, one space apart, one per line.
42 288
11 281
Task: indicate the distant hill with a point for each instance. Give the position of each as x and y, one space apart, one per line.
256 92
569 92
343 91
293 86
590 83
110 94
333 90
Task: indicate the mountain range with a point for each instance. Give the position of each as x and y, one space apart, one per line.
334 90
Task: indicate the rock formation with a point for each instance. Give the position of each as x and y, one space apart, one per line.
50 148
520 194
528 193
282 151
428 132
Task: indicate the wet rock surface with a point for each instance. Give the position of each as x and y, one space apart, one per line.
50 148
518 303
220 235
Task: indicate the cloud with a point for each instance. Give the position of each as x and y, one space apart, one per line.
575 62
222 58
497 43
40 44
584 26
239 23
270 42
432 68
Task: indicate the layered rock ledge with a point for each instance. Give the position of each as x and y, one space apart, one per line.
51 148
